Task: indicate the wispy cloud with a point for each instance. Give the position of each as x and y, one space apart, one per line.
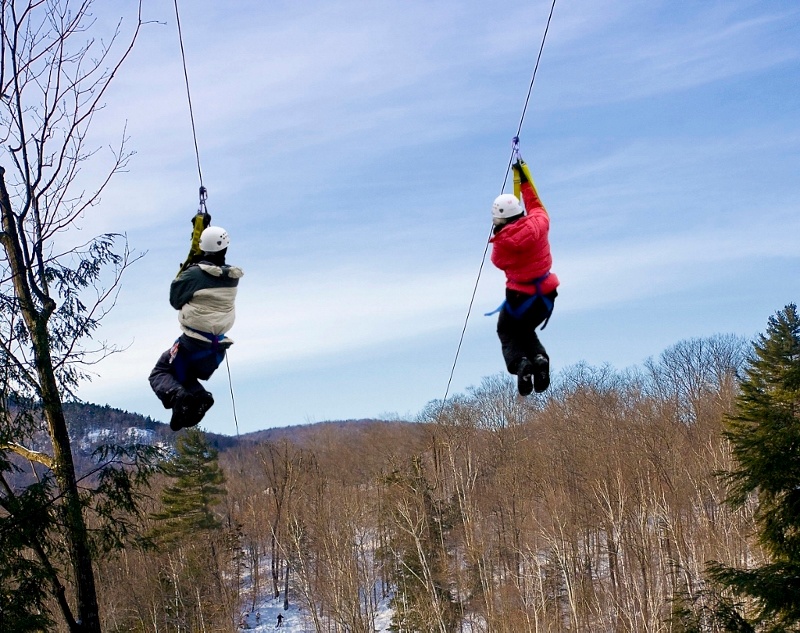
626 50
635 271
353 151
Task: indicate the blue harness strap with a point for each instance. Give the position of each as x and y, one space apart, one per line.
526 305
215 339
180 359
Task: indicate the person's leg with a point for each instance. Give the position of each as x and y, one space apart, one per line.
539 366
529 321
201 360
164 381
538 313
523 351
512 341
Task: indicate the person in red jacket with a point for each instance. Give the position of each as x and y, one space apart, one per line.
521 249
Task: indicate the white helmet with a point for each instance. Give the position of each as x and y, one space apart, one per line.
214 239
506 206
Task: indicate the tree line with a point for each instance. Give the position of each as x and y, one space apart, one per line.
606 506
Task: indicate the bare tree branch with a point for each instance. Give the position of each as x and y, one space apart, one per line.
34 456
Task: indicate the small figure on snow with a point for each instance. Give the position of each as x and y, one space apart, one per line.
204 293
280 621
521 249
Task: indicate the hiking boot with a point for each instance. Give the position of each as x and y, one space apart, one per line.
203 401
541 373
524 377
183 403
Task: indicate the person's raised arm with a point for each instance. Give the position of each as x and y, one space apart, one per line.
530 197
200 221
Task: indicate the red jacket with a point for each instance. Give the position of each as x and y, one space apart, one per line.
522 250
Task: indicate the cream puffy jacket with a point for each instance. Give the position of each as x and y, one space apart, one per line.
205 296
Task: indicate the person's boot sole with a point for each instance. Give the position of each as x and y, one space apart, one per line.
541 374
204 402
524 380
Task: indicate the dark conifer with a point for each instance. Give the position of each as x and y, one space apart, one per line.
765 438
188 503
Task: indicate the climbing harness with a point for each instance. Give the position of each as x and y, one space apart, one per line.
200 221
522 308
214 339
505 180
180 358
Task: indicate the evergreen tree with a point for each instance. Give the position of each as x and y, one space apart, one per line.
196 553
765 438
23 580
188 503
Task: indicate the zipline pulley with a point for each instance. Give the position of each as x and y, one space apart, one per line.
515 155
203 198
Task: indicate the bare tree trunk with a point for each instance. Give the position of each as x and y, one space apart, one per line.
286 588
303 576
275 560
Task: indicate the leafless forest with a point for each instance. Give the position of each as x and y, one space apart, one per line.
595 508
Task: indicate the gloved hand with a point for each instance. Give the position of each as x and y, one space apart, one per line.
519 172
206 218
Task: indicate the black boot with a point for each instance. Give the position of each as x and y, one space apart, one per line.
203 401
183 404
524 380
541 373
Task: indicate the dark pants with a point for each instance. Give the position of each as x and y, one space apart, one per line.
182 367
518 335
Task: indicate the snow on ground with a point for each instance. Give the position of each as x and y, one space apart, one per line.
265 618
296 619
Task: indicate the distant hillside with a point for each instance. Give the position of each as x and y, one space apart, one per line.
357 450
91 425
370 444
302 434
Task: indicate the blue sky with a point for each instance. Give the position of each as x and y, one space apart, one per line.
353 150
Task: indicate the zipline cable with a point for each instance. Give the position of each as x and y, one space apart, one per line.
189 99
233 400
505 180
203 192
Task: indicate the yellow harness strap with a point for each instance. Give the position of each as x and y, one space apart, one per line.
517 183
199 222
